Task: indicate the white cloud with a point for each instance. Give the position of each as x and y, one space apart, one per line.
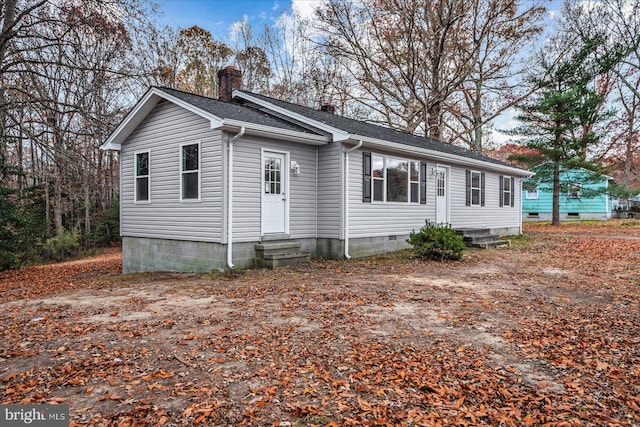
236 29
498 138
305 8
506 120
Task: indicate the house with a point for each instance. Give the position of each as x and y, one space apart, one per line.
215 183
583 196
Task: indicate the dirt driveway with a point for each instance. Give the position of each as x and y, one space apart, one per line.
546 332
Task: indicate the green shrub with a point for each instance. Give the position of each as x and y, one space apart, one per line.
107 230
62 247
437 242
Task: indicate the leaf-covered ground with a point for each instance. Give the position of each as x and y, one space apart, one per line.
546 332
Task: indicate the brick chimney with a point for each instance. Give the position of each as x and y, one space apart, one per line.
229 78
328 107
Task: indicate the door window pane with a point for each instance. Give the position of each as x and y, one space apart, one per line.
441 183
272 175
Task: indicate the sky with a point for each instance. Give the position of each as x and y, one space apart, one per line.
218 16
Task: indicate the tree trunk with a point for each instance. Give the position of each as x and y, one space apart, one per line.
58 161
57 201
555 216
434 118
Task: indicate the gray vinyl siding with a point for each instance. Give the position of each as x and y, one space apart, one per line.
385 219
491 215
247 192
382 219
162 132
329 190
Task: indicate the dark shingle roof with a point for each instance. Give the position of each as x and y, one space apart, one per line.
234 111
358 127
247 112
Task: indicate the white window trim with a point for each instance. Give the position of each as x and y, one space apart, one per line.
417 181
479 188
506 179
135 178
531 195
199 144
574 190
384 180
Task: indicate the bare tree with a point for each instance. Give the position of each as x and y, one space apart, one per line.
617 22
410 58
501 29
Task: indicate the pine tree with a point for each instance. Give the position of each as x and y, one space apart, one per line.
559 121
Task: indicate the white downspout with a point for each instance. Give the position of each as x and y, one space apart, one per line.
346 199
230 198
520 213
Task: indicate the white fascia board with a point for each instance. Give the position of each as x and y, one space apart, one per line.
142 109
439 155
336 134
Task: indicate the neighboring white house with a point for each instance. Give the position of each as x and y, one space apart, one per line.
205 183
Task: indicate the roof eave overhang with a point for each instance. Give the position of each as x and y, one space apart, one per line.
437 155
254 129
337 135
142 109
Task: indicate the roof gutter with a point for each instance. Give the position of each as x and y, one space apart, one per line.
346 198
230 197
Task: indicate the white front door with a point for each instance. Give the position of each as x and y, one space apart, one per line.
274 196
442 195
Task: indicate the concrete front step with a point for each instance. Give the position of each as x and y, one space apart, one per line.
481 238
272 254
468 232
491 244
278 259
278 246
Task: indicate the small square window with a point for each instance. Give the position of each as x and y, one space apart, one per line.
574 190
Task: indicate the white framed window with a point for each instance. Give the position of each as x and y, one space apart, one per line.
389 179
395 180
190 172
507 191
142 186
574 190
397 172
531 192
476 188
414 181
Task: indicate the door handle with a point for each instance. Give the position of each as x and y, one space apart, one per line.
284 197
